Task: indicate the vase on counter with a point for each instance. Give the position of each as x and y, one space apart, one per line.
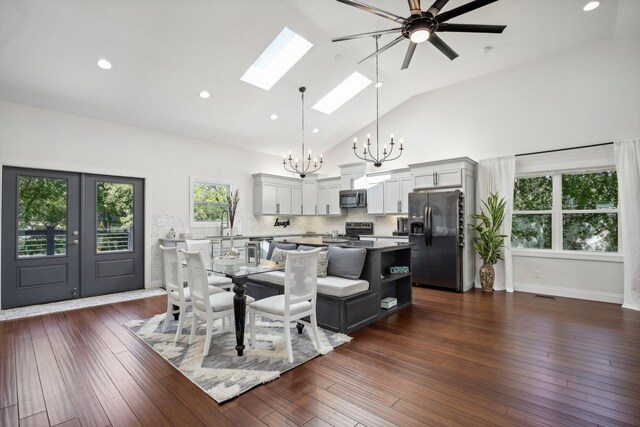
231 253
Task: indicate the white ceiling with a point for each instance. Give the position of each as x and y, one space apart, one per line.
164 52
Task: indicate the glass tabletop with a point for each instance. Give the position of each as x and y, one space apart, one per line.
244 269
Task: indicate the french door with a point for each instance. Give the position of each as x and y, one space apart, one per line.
68 235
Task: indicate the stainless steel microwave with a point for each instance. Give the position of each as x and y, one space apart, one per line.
353 198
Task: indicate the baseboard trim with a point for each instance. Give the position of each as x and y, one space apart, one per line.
154 284
569 292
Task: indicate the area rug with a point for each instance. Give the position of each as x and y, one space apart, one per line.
74 304
223 374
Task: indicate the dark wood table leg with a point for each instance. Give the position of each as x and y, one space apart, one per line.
239 311
300 326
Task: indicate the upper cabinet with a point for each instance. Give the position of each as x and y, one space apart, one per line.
441 174
396 192
276 195
309 197
353 176
376 193
329 197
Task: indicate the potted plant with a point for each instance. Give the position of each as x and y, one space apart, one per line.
489 242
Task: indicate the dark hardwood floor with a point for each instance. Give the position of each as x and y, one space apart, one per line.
450 359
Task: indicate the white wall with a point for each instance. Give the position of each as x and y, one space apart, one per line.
584 96
37 138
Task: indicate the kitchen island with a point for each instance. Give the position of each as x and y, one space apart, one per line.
348 313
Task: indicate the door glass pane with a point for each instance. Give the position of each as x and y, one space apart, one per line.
114 217
42 216
531 231
590 232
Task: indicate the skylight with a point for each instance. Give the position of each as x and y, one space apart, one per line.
342 93
277 59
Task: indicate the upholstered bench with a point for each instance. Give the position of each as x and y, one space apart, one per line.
343 305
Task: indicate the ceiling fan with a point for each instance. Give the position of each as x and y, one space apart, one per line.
422 26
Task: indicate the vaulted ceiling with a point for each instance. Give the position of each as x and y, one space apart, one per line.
164 52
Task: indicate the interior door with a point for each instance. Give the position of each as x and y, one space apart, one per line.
40 236
113 238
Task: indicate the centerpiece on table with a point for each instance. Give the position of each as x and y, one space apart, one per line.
232 201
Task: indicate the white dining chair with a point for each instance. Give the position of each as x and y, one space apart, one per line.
177 294
298 300
207 308
204 247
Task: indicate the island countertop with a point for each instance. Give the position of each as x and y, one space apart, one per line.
369 245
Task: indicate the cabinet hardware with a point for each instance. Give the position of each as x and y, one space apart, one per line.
327 208
277 207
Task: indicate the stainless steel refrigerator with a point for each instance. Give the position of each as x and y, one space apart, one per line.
436 229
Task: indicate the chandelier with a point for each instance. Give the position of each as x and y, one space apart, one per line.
376 157
305 165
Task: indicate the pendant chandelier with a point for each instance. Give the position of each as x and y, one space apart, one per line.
306 164
376 157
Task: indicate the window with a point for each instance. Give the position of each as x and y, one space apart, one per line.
208 202
568 211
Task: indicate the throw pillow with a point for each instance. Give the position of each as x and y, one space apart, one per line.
310 248
346 262
282 245
323 263
279 256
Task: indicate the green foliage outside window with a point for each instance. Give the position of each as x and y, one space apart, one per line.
209 201
588 211
533 194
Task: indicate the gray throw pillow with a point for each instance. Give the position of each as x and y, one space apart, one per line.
310 248
282 245
346 262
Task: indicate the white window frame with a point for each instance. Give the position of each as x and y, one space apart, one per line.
198 180
557 219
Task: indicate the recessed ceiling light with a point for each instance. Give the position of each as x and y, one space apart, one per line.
591 5
104 64
277 59
315 130
274 117
204 94
342 93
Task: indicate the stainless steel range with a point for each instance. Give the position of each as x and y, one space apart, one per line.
354 230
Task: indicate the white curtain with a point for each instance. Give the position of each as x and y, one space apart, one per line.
498 175
627 154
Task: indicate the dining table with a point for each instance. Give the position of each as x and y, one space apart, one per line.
239 272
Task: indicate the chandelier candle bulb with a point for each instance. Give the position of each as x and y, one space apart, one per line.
369 155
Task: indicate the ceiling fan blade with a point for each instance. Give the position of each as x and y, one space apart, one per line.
374 10
382 49
471 28
409 55
465 8
442 46
437 7
372 33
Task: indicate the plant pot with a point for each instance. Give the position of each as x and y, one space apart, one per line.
487 277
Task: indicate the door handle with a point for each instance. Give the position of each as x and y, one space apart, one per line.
430 226
426 228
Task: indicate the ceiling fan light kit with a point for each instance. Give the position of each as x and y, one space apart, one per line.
307 164
421 26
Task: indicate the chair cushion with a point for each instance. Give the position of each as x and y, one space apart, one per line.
187 293
282 245
330 285
221 301
218 280
346 262
275 305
